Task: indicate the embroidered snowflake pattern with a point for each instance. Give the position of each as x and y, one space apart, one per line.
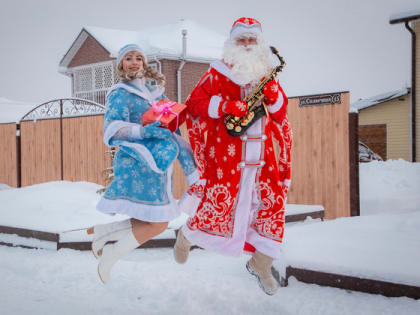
127 163
240 105
137 186
219 173
231 149
152 192
212 152
274 88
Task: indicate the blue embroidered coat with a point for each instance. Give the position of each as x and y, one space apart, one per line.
142 184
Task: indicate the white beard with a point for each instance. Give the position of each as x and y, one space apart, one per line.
249 64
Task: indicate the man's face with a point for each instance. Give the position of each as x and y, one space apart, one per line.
246 41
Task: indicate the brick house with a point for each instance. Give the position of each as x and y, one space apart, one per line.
182 51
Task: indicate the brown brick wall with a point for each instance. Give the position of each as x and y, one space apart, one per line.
191 74
374 136
90 52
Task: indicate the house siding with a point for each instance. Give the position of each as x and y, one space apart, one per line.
396 115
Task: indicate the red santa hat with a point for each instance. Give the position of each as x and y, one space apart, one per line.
245 27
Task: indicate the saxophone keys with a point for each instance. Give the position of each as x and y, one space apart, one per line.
229 126
238 128
251 115
236 118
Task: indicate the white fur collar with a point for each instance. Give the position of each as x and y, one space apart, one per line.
140 89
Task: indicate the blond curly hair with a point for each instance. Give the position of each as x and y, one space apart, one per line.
147 72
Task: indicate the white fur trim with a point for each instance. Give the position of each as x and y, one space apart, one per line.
214 106
136 132
143 212
193 177
145 154
116 125
189 204
241 29
148 96
277 105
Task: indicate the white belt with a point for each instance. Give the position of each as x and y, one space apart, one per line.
244 164
254 138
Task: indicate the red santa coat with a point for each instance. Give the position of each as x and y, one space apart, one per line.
222 159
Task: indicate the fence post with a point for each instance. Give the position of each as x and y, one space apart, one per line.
61 140
354 164
18 158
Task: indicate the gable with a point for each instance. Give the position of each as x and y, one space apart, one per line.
90 52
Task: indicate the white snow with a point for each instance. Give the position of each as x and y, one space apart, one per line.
383 243
377 99
404 15
150 282
12 111
164 40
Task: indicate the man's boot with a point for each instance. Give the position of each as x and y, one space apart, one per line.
102 233
112 252
260 266
181 248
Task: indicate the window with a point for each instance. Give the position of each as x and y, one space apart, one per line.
92 82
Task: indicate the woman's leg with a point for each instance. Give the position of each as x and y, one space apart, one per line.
144 231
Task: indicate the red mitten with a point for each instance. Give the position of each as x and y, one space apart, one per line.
271 91
236 108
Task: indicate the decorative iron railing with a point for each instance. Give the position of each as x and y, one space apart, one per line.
66 107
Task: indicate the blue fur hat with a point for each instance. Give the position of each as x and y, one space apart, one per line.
129 48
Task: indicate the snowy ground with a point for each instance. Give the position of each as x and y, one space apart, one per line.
150 282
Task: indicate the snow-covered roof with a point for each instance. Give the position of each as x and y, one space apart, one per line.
405 16
12 111
378 99
163 41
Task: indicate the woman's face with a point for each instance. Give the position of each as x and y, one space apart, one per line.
132 62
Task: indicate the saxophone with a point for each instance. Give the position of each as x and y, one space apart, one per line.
236 126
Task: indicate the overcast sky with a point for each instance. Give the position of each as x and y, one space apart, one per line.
329 45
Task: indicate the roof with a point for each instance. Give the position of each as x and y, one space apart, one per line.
163 41
378 99
405 16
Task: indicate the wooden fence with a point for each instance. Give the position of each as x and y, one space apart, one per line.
324 160
321 153
8 155
69 149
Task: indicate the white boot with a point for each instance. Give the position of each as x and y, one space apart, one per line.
112 252
260 266
181 248
102 233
